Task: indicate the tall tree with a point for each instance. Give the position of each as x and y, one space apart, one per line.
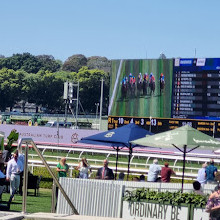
90 88
74 63
101 63
11 87
44 89
49 63
25 61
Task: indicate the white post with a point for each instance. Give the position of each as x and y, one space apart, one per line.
101 99
77 105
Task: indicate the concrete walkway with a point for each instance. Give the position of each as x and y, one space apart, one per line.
48 216
51 216
11 215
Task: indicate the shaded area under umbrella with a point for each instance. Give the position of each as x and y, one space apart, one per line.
185 139
118 138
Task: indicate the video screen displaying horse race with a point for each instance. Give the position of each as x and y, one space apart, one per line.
163 94
141 88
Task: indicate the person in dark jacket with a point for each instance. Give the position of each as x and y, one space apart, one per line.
105 172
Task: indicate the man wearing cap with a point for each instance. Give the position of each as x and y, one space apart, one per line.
166 173
154 171
14 168
211 171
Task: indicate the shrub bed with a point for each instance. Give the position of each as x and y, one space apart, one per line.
173 198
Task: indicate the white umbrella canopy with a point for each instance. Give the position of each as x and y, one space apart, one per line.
179 137
184 138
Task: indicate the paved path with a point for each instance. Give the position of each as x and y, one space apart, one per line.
51 216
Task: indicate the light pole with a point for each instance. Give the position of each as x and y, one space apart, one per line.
96 114
101 100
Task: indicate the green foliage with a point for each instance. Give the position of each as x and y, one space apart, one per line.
25 61
74 63
44 88
173 198
90 83
34 79
47 180
49 63
97 62
13 136
11 87
30 63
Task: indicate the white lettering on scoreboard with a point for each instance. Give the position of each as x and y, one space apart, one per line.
143 210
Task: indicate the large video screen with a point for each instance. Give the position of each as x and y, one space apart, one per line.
141 88
164 94
196 91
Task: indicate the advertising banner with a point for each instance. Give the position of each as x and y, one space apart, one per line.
47 135
144 210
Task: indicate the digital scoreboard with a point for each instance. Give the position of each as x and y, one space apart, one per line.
196 88
156 125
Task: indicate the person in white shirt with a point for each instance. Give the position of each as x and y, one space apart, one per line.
14 168
84 169
154 171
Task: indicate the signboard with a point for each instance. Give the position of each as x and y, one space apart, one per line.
46 135
191 90
144 210
156 125
196 88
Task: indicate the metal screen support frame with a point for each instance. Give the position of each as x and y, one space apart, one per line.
28 141
25 180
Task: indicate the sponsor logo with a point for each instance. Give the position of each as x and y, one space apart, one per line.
110 134
206 141
177 62
186 62
74 138
200 62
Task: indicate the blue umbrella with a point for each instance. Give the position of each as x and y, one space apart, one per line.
118 138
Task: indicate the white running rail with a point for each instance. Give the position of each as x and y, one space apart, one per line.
115 87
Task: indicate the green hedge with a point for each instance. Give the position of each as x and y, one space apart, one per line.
173 198
47 180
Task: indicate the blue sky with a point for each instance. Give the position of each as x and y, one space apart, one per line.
116 29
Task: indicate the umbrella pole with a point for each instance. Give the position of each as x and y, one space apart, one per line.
116 168
184 163
129 159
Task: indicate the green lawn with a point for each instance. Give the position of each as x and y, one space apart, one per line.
41 203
